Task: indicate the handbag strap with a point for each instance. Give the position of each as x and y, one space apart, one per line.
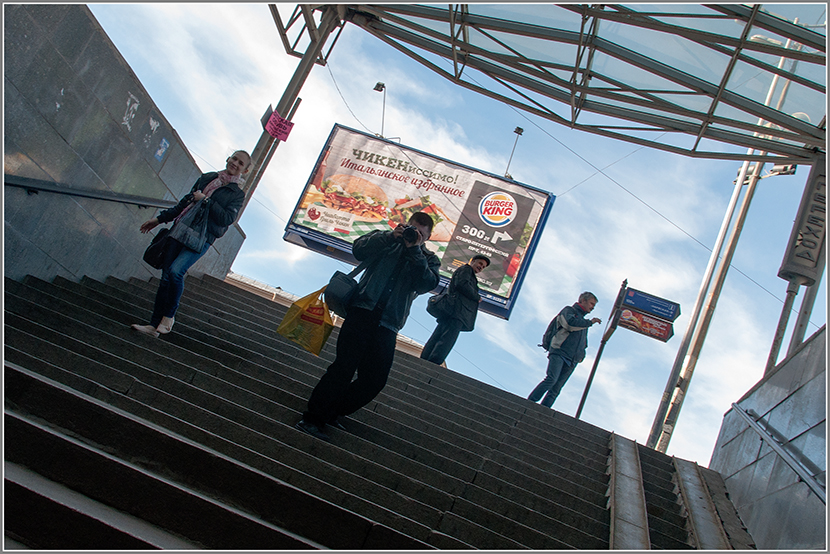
363 265
367 262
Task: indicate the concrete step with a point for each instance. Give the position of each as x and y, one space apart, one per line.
440 396
74 325
667 524
498 405
45 515
215 492
120 383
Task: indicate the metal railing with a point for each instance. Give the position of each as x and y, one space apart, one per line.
33 186
803 473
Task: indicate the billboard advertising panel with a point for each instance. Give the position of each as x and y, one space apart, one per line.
363 183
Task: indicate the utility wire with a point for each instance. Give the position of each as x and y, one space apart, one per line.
328 65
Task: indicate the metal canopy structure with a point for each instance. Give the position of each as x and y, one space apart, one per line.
726 82
684 78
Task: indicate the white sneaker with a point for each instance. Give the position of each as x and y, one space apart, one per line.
146 329
166 325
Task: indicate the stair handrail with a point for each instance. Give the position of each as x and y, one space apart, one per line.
794 464
36 185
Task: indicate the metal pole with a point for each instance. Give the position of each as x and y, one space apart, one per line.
254 182
383 113
679 393
612 324
328 23
590 377
792 291
515 142
657 425
806 308
684 364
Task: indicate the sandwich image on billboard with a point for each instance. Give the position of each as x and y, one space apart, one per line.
363 183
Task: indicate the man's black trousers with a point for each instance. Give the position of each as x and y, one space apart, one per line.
363 347
442 340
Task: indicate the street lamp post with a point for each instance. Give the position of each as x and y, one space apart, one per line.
380 87
518 131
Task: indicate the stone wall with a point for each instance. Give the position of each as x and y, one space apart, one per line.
779 510
76 114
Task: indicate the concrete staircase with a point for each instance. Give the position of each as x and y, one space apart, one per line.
118 440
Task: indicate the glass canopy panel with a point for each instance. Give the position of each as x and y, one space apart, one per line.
817 73
632 76
676 52
533 48
725 110
705 19
804 103
752 82
697 102
644 111
810 15
546 15
487 43
437 25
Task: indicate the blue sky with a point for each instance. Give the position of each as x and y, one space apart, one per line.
647 216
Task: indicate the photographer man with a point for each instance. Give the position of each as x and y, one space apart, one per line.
402 268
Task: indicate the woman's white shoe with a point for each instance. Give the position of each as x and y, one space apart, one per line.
166 325
146 329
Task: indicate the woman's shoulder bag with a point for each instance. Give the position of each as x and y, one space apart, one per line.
154 255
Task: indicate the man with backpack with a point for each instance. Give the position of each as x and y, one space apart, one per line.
565 340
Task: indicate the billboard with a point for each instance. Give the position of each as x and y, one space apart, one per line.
362 183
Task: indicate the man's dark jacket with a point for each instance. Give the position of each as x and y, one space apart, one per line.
224 204
407 271
574 346
464 290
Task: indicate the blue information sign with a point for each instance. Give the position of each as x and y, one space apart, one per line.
653 305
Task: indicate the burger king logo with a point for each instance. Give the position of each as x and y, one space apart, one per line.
497 209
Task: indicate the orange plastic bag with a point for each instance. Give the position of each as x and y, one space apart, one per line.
308 322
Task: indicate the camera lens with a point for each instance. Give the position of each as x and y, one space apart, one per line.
410 234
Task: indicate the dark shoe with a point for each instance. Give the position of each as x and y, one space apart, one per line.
338 423
313 430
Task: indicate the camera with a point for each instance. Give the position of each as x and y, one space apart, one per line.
410 234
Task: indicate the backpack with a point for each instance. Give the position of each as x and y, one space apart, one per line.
553 328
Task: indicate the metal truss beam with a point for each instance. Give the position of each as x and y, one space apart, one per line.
529 81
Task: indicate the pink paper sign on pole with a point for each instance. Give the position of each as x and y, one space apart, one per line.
278 127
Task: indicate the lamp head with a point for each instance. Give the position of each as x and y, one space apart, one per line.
379 87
